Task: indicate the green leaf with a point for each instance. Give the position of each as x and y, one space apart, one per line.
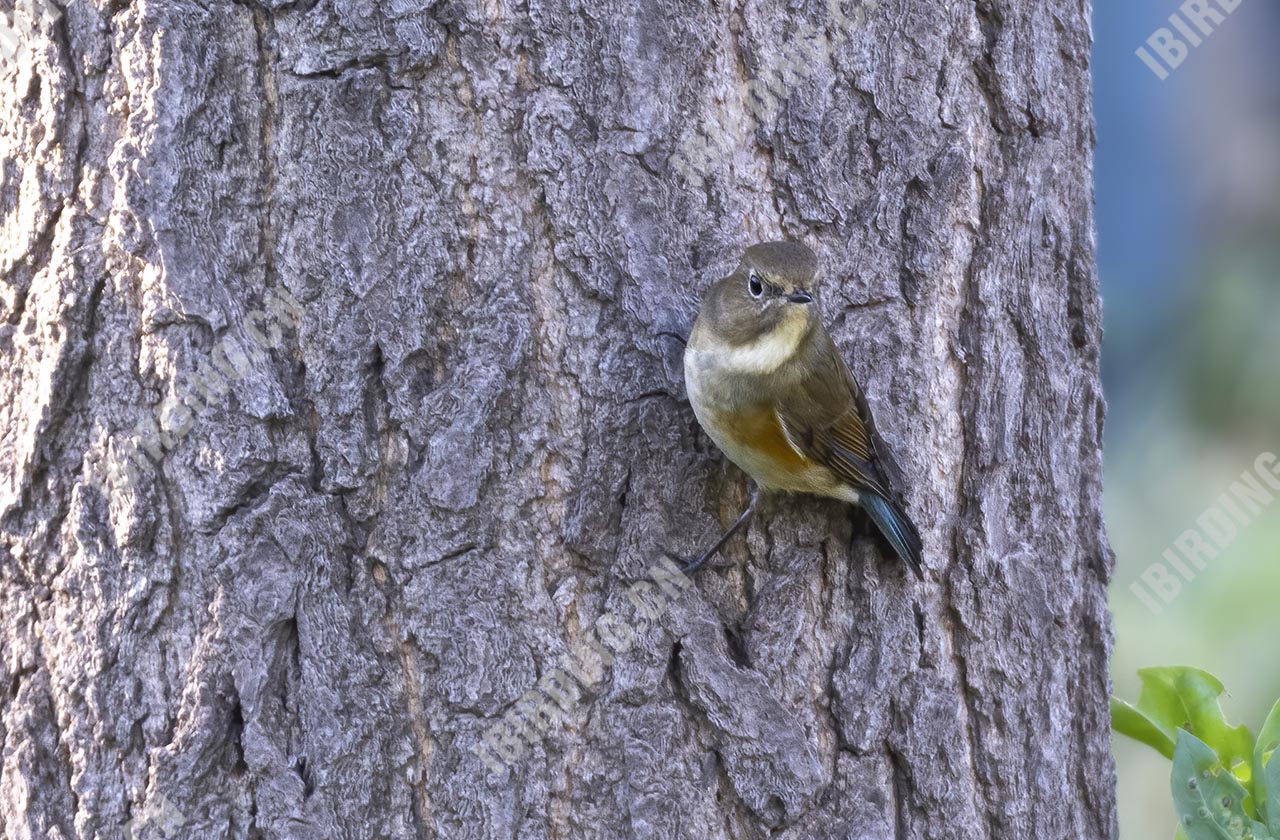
1208 798
1132 721
1176 698
1266 771
1272 806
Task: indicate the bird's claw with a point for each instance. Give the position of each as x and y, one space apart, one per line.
687 566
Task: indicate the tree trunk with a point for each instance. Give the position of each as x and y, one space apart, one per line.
344 425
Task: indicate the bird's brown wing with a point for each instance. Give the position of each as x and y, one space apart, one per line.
827 418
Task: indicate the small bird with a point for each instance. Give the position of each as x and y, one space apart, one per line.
769 386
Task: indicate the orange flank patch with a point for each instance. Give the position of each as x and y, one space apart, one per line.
759 432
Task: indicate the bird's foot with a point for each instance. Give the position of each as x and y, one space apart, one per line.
687 566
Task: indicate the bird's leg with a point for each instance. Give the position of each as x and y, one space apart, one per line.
735 528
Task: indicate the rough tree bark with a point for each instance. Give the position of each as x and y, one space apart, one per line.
421 487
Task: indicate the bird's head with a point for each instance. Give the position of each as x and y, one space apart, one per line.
772 289
779 273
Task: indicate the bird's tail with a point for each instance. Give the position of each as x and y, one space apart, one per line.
896 527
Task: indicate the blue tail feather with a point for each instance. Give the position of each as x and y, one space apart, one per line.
897 529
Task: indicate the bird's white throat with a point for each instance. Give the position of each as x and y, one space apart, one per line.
762 355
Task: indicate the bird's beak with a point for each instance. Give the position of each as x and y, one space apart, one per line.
800 296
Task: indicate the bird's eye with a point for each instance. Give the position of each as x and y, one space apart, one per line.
755 286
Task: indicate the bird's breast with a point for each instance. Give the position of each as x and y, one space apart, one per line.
745 425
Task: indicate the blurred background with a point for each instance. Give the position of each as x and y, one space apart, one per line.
1188 191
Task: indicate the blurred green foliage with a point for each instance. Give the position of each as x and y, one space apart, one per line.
1198 410
1188 188
1231 349
1225 785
